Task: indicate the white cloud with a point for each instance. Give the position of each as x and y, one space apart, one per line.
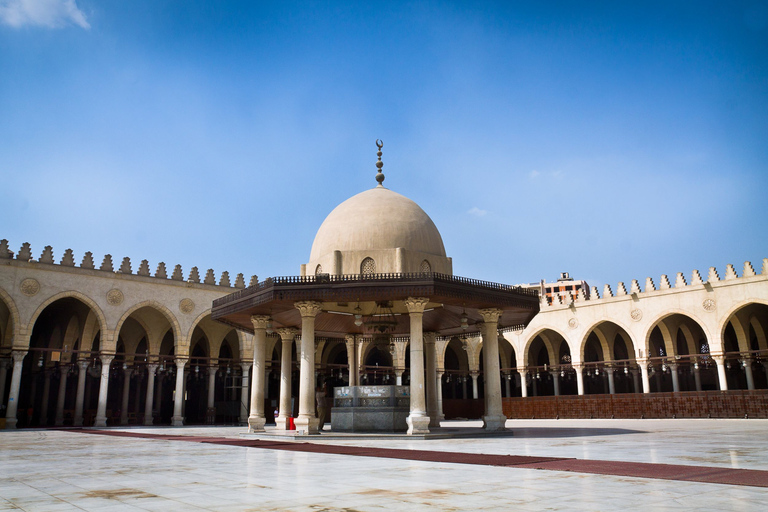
46 13
533 174
477 212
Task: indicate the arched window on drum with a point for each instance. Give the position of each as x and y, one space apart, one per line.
425 267
368 267
318 270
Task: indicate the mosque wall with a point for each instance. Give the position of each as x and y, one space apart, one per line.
720 320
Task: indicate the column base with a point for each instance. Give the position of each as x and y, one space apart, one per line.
100 421
10 423
256 424
417 424
306 425
281 423
494 423
177 421
78 422
434 422
148 422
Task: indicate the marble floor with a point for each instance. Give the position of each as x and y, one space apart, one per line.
51 470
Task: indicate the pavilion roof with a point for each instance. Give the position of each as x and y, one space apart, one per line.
449 298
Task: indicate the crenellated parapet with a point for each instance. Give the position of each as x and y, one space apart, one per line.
108 266
665 285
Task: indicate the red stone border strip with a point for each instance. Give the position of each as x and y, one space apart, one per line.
675 472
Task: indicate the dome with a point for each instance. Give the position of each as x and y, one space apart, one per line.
374 220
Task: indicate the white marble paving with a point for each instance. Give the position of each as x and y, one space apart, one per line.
60 470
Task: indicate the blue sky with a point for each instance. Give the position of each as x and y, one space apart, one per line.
608 140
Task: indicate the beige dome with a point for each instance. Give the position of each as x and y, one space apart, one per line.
374 220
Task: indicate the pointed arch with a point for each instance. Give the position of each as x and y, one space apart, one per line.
179 342
102 319
660 319
14 319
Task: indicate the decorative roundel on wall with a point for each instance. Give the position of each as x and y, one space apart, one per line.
636 315
29 287
186 305
709 305
115 297
573 323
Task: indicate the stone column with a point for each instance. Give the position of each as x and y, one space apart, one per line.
149 399
284 410
534 384
399 377
675 377
244 415
747 364
556 382
307 422
463 387
59 420
13 394
720 360
440 415
635 381
211 387
494 419
579 378
3 376
82 373
611 381
46 394
126 395
523 382
178 396
507 385
475 390
101 411
431 378
697 376
643 364
418 421
352 358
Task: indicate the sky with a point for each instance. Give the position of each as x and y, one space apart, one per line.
611 140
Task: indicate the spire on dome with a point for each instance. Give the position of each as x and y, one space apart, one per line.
379 164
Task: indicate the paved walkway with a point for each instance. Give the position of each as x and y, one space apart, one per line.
546 464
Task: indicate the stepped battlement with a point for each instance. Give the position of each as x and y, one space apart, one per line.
125 268
664 284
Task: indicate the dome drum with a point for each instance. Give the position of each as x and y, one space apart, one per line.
398 260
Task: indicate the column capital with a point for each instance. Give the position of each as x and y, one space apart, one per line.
106 359
719 358
18 356
308 308
430 337
152 367
83 364
287 333
416 304
259 321
181 362
349 338
490 315
245 367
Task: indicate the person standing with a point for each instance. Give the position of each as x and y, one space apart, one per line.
321 407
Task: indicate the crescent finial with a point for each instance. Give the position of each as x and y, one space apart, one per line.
379 163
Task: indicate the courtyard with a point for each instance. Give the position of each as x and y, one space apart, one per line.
217 468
